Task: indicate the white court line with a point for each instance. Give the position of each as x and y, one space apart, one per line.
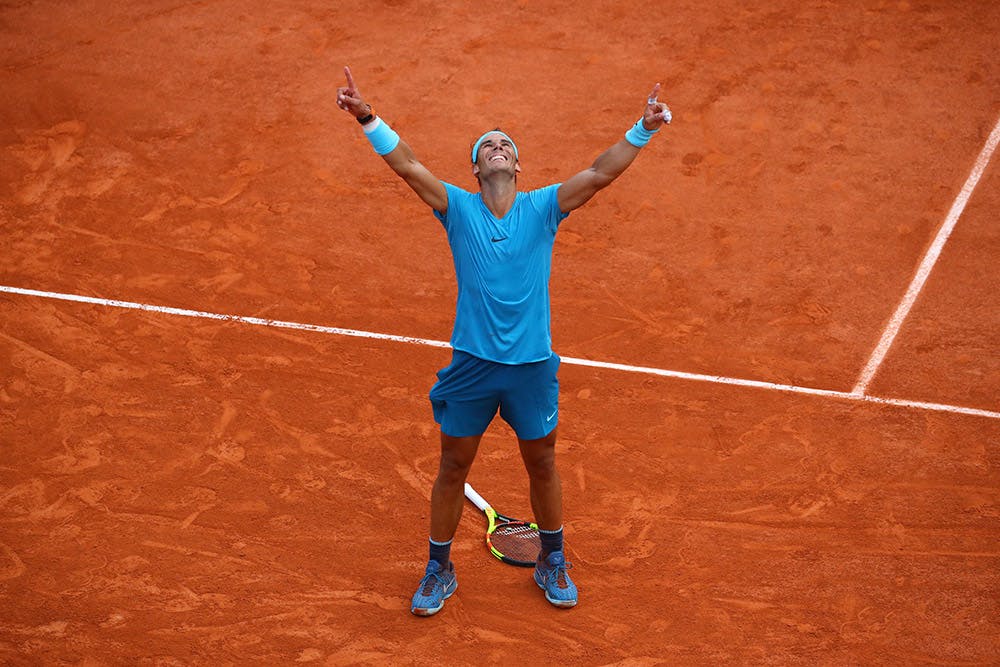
896 322
259 321
717 379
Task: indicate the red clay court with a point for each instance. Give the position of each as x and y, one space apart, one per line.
780 425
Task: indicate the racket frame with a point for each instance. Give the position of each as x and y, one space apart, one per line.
495 520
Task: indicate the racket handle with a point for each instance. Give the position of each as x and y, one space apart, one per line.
476 499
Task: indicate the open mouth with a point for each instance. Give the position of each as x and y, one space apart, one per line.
498 157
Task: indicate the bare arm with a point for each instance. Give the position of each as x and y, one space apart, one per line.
609 165
401 159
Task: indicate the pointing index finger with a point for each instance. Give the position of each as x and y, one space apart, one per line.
350 79
653 95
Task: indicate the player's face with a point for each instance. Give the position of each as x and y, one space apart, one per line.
496 153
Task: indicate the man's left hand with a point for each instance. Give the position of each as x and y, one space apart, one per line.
657 113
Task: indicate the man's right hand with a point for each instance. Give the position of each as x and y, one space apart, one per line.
349 97
400 159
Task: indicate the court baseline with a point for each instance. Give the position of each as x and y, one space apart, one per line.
257 321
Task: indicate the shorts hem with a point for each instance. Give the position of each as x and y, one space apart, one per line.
546 433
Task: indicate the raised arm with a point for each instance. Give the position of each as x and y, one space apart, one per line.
610 164
396 153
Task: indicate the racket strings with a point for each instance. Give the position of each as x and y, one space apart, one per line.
518 541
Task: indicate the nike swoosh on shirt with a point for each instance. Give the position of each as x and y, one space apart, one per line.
549 418
497 240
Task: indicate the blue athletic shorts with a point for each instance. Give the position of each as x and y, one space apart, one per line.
470 390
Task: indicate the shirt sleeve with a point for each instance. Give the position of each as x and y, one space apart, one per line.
546 202
454 201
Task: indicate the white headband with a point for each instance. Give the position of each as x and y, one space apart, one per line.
475 149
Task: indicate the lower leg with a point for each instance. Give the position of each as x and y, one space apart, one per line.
439 582
539 458
457 455
546 501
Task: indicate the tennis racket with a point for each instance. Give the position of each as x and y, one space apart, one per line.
513 541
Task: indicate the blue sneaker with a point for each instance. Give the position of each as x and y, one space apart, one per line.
551 577
436 587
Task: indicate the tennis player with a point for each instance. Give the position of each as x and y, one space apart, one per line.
501 242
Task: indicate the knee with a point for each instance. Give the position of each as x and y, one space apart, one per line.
457 455
454 468
540 461
541 470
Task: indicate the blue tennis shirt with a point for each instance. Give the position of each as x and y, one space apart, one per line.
502 267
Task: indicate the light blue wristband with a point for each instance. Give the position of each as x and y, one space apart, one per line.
639 136
382 137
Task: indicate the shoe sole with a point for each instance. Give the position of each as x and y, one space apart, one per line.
562 604
430 611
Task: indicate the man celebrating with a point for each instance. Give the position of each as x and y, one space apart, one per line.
501 242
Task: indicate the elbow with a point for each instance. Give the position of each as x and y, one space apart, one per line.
601 181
